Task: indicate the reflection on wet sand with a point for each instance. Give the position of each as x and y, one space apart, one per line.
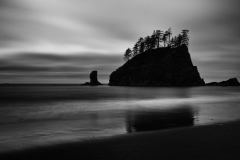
149 120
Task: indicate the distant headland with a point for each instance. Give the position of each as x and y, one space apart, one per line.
230 82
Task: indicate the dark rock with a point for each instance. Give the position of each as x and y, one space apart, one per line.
230 82
93 79
87 83
158 67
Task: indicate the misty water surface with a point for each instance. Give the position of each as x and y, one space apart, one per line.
42 115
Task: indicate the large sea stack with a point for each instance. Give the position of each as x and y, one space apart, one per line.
158 67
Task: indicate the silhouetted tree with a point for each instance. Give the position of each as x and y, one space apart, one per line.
179 40
159 35
153 41
164 39
185 37
174 42
141 45
135 49
169 34
128 54
147 41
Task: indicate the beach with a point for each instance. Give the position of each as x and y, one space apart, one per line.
217 141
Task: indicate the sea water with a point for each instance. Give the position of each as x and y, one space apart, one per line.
39 115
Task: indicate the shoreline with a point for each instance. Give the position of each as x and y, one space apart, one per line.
199 142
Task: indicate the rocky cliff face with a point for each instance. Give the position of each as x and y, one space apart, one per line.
158 67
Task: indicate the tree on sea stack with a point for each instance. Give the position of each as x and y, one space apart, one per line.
153 41
164 39
158 39
147 42
127 54
135 49
141 45
179 40
159 35
169 34
185 37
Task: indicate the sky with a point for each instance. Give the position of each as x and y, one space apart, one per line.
62 41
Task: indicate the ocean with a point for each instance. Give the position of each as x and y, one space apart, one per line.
39 115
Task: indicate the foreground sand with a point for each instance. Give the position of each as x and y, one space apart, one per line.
219 141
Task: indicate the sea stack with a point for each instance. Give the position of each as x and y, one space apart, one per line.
158 67
93 79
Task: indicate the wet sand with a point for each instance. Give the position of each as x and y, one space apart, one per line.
218 141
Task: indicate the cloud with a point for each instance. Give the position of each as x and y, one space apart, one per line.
52 31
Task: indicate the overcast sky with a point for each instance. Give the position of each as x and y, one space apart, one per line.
62 41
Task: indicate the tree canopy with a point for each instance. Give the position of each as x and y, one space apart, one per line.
127 54
159 39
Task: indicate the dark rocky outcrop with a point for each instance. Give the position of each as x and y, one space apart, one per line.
158 67
93 79
230 82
